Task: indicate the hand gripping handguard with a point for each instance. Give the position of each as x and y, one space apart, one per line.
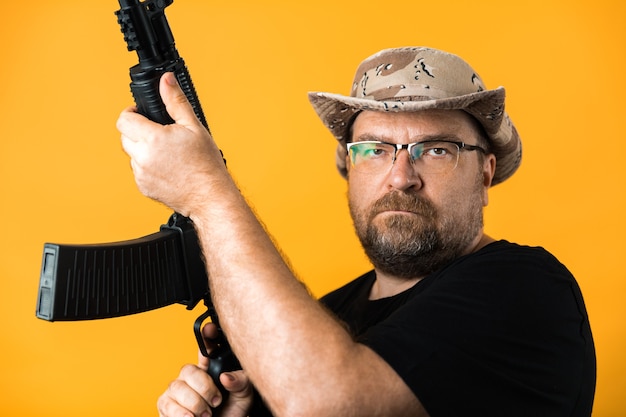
96 281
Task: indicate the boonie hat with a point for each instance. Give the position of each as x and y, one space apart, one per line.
418 78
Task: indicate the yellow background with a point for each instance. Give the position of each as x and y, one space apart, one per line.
65 179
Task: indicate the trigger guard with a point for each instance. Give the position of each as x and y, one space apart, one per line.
197 331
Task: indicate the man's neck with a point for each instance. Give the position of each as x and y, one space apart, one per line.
388 285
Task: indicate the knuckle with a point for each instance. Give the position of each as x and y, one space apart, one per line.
187 370
174 385
180 396
180 98
167 406
151 136
162 405
197 379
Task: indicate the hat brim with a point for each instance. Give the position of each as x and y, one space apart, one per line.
487 107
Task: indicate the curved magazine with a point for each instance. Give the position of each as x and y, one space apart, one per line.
83 282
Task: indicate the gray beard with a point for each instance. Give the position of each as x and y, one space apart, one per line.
412 246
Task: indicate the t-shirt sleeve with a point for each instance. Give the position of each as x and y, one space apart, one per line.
499 333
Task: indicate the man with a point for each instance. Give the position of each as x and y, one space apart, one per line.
450 322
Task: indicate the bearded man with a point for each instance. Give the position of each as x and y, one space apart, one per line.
449 322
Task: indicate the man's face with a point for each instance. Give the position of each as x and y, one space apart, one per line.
411 223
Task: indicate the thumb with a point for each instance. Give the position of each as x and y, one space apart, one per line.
237 383
175 100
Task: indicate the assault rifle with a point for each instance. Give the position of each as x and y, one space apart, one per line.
97 281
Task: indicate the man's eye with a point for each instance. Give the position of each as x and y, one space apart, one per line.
436 151
439 150
374 152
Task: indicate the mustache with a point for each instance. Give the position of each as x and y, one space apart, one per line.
399 201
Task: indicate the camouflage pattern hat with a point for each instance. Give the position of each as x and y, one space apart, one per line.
414 79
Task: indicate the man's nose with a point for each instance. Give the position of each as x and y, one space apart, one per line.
403 175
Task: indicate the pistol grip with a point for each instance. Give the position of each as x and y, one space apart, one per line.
221 358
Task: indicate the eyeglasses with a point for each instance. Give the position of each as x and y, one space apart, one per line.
429 157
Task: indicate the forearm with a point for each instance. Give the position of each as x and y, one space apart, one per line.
271 320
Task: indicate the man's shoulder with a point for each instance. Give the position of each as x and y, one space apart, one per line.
509 264
503 245
505 253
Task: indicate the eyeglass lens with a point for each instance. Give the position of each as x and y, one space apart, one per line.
429 157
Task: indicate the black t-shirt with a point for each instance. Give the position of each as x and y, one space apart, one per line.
500 332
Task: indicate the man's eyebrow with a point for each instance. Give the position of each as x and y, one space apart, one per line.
421 138
439 137
367 137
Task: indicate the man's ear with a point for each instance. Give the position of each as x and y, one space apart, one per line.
489 170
